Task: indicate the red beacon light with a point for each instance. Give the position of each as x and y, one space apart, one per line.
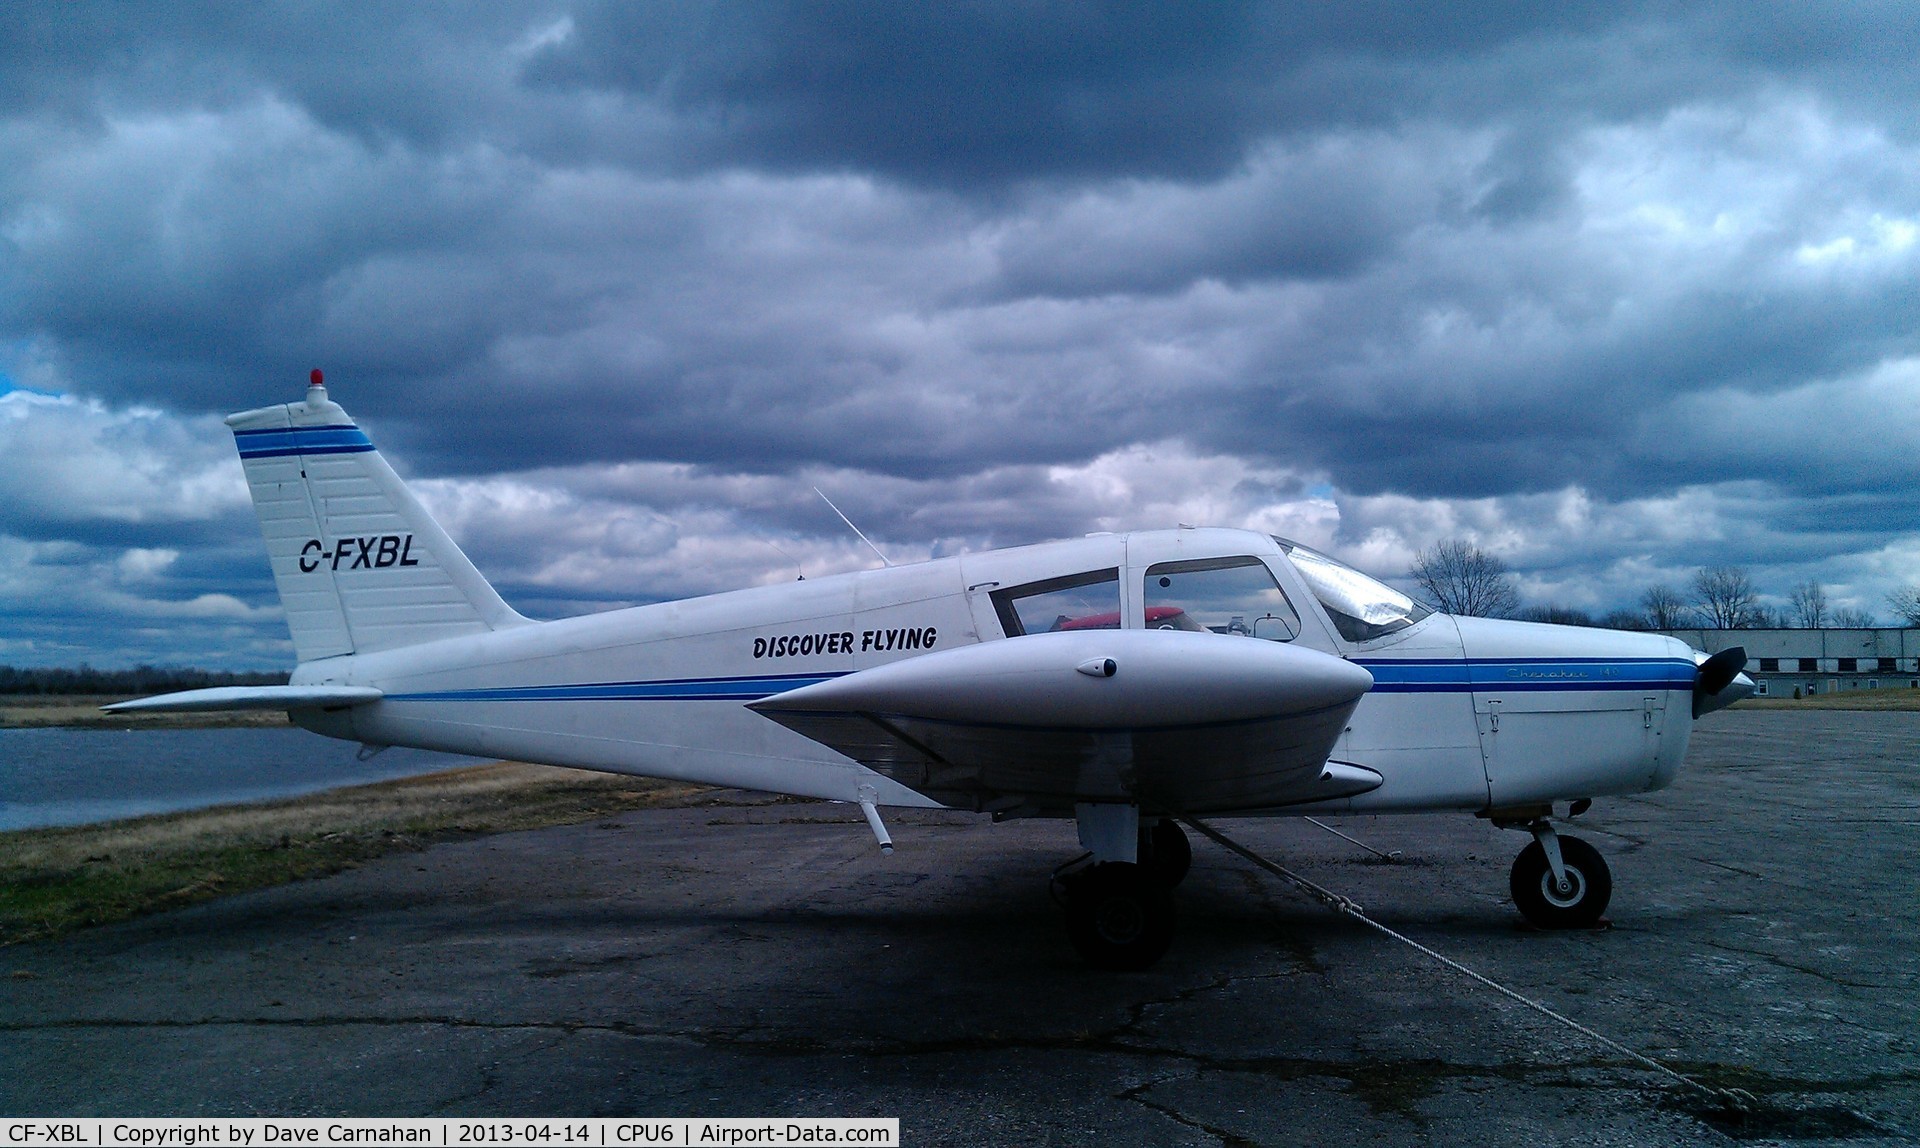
316 378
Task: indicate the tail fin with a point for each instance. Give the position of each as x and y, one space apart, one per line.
360 564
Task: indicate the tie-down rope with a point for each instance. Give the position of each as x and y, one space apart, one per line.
1734 1098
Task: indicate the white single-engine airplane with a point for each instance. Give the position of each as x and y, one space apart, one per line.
1123 680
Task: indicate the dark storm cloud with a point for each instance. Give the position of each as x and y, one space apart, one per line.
972 94
428 73
1623 411
385 193
986 273
957 94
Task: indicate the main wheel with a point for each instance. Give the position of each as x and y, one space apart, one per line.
1541 901
1119 916
1165 850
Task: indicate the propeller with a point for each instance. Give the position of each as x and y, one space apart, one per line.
1713 676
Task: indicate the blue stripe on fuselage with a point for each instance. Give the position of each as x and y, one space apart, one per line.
281 441
1390 676
1527 675
673 689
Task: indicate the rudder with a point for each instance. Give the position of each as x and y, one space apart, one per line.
360 564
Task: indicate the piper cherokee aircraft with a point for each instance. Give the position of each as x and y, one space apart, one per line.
1122 680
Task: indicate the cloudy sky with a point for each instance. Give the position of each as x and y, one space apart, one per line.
1612 290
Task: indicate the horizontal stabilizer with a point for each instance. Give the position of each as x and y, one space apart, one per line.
249 698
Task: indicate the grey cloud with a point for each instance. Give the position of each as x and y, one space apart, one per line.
769 319
933 259
71 470
124 524
973 96
962 96
424 73
955 94
1319 212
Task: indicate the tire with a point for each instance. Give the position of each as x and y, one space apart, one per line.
1120 916
1165 850
1543 905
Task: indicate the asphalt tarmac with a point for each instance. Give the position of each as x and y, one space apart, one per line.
759 957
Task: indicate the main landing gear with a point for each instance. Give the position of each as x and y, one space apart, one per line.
1559 882
1120 913
1119 896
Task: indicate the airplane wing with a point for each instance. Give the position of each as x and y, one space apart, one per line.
249 698
1175 721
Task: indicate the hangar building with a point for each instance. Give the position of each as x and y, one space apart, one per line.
1819 661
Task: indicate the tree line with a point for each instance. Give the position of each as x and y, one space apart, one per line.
84 679
1460 578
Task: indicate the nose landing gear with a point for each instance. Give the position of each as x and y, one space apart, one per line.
1560 882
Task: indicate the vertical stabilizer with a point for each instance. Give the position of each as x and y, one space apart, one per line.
360 564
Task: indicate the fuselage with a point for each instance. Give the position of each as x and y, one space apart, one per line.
1464 713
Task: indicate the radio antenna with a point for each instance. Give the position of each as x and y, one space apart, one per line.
852 527
783 554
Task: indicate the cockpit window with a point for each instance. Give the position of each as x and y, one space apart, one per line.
1220 596
1089 601
1362 607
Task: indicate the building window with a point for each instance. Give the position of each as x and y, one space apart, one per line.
1889 665
1873 683
1809 665
1848 666
1760 688
1769 665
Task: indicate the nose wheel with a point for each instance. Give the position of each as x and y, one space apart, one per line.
1575 896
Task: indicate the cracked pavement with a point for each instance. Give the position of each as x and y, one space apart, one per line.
759 957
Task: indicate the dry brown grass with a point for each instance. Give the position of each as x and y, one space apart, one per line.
53 881
1883 699
38 711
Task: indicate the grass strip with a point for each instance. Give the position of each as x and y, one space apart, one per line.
1892 698
82 711
54 881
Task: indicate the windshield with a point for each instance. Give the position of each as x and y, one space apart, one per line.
1362 607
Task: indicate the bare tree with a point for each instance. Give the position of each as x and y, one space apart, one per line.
1852 619
1624 620
1663 607
1905 602
1725 597
1810 604
1461 578
1556 615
